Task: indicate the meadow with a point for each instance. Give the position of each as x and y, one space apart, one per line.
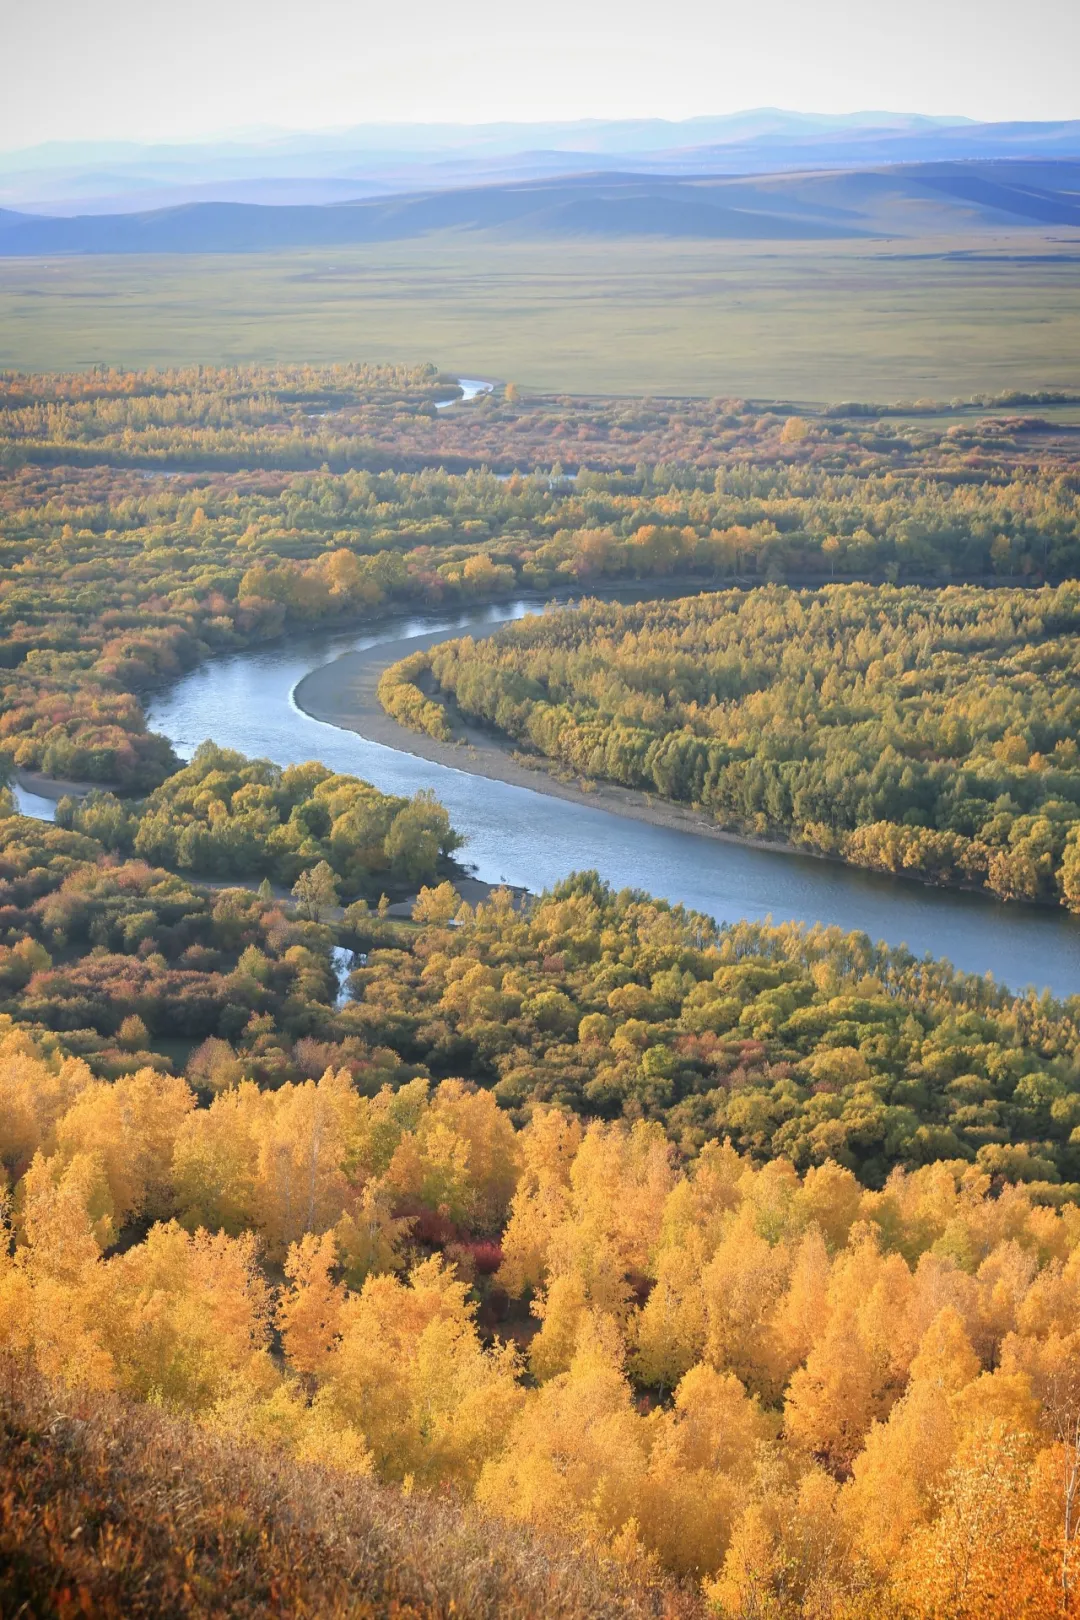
803 321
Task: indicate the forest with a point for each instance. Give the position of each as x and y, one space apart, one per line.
377 417
918 731
787 1389
683 1243
132 545
562 1253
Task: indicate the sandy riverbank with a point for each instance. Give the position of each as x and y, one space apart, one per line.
344 693
55 788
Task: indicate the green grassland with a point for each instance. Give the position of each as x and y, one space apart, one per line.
806 321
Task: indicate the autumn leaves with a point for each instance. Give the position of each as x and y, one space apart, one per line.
793 1389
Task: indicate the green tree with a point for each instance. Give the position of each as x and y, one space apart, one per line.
315 891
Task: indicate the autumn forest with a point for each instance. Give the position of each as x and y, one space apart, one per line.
370 1250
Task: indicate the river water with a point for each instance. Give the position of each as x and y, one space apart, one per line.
470 387
245 701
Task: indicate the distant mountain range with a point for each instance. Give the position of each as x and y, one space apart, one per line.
902 200
276 168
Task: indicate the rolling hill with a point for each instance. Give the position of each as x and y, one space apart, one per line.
900 200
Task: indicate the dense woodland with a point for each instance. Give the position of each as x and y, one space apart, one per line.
804 1045
576 1256
225 816
800 1392
706 1238
929 732
787 1043
128 551
110 944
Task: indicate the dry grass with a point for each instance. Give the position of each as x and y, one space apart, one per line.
109 1509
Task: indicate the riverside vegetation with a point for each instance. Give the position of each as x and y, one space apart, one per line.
928 732
587 1258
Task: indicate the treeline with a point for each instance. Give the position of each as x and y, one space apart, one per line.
112 579
909 730
264 415
402 698
809 1397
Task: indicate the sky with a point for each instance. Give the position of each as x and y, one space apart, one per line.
167 69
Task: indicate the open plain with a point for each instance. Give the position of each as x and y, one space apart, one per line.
880 320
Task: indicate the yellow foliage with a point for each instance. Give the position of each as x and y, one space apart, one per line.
577 1455
461 1159
130 1125
437 905
799 1392
301 1185
370 1238
35 1092
984 1556
703 1457
905 1459
184 1318
309 1313
409 1374
562 1310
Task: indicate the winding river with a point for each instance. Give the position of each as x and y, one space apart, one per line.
517 834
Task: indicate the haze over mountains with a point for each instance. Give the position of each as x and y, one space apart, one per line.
277 167
761 175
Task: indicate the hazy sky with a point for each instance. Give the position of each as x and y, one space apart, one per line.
141 69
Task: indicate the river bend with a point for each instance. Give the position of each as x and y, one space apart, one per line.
246 700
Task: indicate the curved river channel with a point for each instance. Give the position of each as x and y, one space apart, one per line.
245 701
